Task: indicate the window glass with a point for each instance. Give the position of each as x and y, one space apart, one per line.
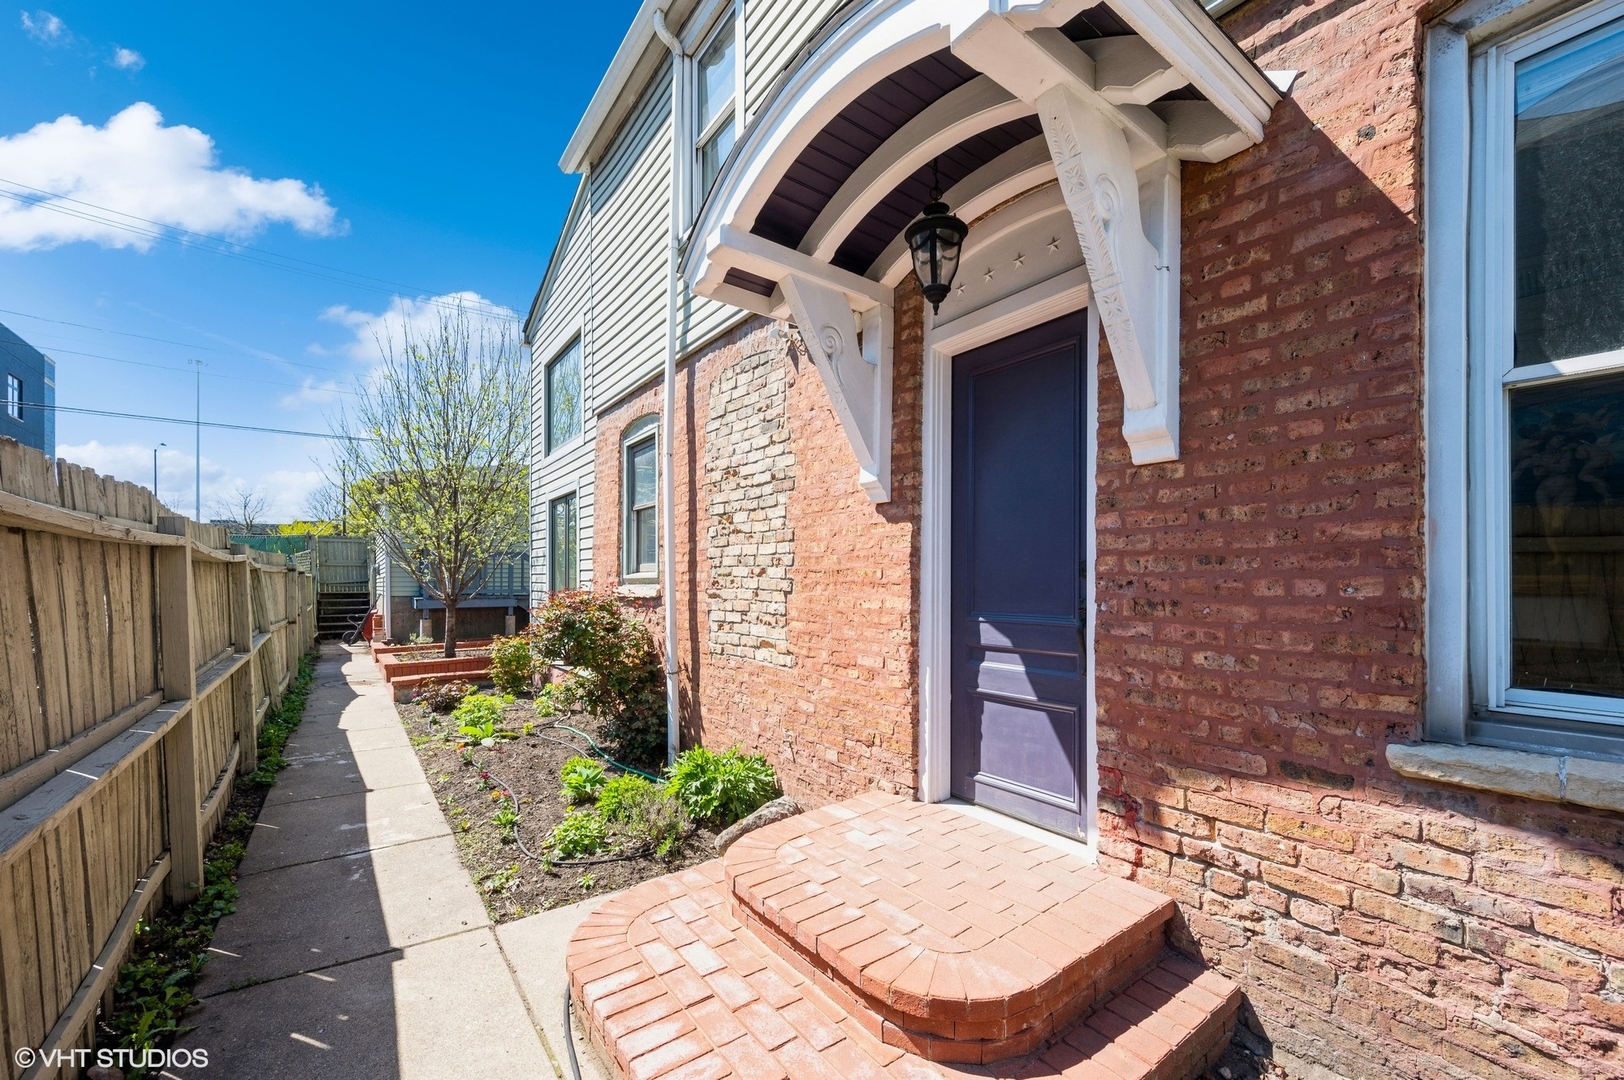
14 397
715 112
642 543
564 397
1570 199
561 552
716 76
1567 528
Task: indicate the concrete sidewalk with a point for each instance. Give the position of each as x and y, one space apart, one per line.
359 947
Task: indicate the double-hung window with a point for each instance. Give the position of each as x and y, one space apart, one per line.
716 100
563 397
639 483
562 562
1526 430
14 397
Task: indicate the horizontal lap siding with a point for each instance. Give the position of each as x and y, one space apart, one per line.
774 33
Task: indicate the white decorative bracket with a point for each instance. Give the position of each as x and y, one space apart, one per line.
852 352
1127 224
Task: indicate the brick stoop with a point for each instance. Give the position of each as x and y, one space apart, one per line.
884 938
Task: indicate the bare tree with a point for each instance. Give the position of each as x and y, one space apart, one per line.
243 510
434 451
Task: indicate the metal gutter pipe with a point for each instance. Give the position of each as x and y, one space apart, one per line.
668 492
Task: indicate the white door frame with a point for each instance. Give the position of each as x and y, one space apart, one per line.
1033 306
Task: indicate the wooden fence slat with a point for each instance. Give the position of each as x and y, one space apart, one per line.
135 647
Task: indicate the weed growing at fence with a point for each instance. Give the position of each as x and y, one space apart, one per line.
154 987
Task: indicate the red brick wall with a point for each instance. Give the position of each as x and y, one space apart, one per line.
1261 615
840 716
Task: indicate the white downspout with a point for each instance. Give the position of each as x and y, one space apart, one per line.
668 510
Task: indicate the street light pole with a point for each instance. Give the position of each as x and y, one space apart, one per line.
197 442
155 472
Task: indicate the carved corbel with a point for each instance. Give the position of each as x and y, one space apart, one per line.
852 352
1123 237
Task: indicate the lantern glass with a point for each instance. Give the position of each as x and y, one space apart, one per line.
935 241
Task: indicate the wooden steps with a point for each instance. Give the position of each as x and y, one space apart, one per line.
881 937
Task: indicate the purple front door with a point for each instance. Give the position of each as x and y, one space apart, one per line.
1020 732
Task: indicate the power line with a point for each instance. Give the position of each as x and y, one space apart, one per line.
231 248
271 357
191 423
58 350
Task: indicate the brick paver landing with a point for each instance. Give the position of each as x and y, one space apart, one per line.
885 938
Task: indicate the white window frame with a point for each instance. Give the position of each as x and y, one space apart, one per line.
552 546
644 430
14 397
727 14
1468 103
577 342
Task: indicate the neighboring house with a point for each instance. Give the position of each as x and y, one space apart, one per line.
27 381
1251 511
500 604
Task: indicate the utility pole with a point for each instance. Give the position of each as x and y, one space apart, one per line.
197 442
155 472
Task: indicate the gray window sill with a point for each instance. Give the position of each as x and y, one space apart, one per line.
1546 777
640 590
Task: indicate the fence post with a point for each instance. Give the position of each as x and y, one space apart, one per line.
179 674
244 697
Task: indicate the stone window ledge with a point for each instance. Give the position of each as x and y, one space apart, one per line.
1547 777
639 590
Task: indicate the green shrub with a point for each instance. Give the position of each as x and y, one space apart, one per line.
581 833
618 676
657 820
442 695
479 714
719 789
511 664
556 698
583 778
621 796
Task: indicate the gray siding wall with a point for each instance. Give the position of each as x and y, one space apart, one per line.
607 281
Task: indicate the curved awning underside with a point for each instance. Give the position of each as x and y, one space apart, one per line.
990 99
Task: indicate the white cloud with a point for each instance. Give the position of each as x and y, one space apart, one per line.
128 59
45 27
286 491
137 166
311 392
421 315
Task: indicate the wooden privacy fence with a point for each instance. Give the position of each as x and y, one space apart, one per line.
139 653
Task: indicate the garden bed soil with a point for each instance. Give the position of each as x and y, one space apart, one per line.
511 883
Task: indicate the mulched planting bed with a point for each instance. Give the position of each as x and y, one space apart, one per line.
512 884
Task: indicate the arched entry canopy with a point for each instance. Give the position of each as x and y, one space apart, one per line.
806 219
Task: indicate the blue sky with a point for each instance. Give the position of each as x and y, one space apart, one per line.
406 142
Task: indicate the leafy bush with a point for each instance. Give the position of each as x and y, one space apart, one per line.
442 695
581 833
511 664
583 778
618 676
479 714
657 819
556 698
719 789
622 795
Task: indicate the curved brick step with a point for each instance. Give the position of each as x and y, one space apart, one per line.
954 939
669 984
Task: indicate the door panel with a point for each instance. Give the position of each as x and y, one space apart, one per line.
1018 665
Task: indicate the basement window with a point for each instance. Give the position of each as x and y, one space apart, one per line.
1538 393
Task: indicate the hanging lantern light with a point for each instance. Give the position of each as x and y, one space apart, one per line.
935 241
